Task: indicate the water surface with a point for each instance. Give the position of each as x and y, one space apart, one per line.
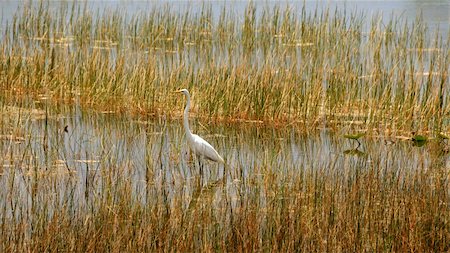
70 153
435 13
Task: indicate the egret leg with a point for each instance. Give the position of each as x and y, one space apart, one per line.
200 166
224 174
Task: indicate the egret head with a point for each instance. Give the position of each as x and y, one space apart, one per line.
184 91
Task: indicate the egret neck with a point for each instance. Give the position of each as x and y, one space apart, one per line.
186 118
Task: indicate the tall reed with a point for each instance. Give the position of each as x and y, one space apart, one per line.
280 65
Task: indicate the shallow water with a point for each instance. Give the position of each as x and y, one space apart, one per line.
42 163
434 13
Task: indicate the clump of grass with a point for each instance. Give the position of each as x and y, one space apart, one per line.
275 65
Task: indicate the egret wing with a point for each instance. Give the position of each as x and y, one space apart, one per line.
205 149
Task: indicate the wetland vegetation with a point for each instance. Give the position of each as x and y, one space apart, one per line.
94 157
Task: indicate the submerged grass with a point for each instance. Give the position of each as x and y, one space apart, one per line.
278 65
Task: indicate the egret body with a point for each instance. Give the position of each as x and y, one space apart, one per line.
197 144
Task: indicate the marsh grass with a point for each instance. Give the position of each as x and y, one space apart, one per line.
111 184
115 183
280 65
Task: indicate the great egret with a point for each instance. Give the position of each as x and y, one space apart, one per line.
197 144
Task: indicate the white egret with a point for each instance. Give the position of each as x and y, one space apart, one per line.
197 144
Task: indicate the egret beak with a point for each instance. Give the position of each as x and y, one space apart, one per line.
177 91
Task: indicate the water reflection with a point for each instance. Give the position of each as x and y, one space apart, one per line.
100 150
355 152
